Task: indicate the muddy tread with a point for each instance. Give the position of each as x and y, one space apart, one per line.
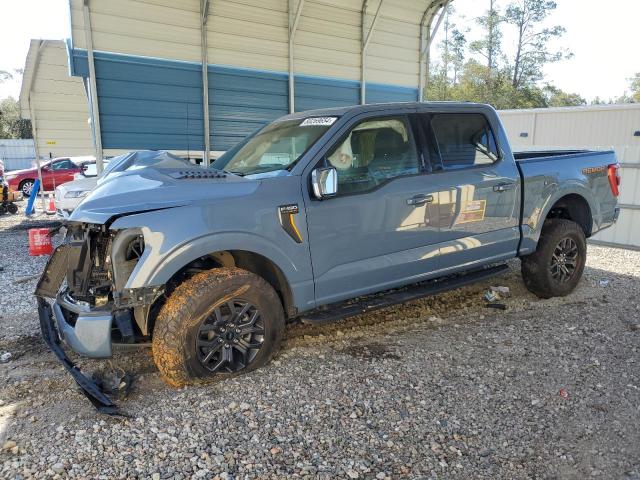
534 267
177 316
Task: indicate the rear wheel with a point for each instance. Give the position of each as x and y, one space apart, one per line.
12 208
26 186
220 322
556 267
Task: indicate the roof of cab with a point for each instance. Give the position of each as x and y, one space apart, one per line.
372 107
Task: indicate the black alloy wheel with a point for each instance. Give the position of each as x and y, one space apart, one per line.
231 337
564 260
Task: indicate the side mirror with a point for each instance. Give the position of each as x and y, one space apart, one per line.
325 182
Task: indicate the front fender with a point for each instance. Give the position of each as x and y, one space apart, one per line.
174 238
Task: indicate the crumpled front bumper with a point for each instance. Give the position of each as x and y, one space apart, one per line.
90 335
49 334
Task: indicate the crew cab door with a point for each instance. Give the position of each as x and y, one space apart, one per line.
376 233
478 190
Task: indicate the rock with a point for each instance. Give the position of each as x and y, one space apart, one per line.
381 476
58 467
353 474
8 445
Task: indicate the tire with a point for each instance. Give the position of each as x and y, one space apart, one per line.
12 208
26 186
543 274
196 337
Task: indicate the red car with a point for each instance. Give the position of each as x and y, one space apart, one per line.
54 172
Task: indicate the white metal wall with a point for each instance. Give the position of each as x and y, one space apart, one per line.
594 127
254 34
58 101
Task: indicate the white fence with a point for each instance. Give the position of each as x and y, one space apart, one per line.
607 127
17 154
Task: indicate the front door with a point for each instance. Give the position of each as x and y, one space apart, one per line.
377 232
478 191
62 171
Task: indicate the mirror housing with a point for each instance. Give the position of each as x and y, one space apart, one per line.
324 181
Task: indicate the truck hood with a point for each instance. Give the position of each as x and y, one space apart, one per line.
150 188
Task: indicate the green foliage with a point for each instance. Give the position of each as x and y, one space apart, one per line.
490 45
488 75
634 84
11 125
532 50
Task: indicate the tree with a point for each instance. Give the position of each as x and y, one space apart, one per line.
489 46
634 85
4 76
532 50
458 47
11 125
555 97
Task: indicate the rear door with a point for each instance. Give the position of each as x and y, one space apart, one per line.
478 190
376 233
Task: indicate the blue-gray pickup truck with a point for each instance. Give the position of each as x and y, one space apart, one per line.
307 219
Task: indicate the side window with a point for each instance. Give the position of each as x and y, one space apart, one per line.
62 165
464 140
373 152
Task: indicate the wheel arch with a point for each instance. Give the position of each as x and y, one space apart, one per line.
576 208
253 262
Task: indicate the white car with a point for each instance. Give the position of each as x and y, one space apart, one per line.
69 195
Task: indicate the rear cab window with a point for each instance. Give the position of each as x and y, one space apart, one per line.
462 140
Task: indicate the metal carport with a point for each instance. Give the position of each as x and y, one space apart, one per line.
201 74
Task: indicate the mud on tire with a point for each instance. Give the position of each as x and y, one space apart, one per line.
197 315
538 273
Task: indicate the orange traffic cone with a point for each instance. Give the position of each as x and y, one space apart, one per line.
51 207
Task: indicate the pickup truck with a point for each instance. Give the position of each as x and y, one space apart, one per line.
318 216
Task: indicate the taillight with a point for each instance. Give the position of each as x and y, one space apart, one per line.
613 172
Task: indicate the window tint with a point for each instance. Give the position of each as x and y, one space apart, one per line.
373 152
464 140
62 165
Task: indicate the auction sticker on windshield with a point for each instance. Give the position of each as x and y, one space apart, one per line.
318 121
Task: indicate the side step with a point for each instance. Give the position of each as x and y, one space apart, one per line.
349 308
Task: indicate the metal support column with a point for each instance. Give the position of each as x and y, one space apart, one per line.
204 15
426 38
93 89
293 27
34 126
365 45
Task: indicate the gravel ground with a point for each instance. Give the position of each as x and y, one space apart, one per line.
438 388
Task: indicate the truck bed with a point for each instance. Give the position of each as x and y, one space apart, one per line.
550 175
549 154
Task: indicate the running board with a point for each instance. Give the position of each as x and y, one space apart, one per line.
349 308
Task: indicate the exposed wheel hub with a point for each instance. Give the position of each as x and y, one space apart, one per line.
231 337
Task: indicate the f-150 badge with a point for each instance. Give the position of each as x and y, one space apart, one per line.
286 214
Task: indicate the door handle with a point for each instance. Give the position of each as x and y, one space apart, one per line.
502 187
420 200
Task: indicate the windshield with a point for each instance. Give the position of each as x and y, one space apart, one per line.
276 147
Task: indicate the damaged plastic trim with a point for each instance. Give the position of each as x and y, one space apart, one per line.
100 401
137 297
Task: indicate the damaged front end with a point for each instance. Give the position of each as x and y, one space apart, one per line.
92 310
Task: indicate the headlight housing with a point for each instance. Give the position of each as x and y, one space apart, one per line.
77 194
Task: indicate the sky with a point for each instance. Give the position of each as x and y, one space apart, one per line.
603 35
